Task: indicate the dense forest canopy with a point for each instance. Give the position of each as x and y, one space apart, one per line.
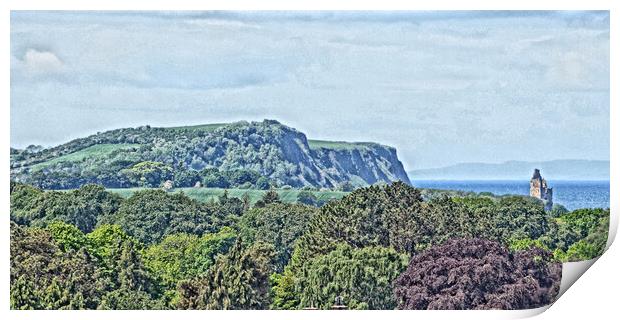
243 154
92 249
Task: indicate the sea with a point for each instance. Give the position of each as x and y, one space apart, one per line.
571 194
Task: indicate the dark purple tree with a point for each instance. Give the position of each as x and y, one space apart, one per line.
478 274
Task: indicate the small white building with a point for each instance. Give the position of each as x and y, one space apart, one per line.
168 185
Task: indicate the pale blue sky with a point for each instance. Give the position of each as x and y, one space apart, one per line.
442 87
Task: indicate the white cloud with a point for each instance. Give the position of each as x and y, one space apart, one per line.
41 62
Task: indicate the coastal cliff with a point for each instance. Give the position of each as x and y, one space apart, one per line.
268 149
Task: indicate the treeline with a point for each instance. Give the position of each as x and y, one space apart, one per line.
381 247
149 174
146 174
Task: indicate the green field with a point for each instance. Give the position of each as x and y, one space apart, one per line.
98 150
202 127
206 194
339 145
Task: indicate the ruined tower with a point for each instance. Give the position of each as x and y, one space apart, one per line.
539 189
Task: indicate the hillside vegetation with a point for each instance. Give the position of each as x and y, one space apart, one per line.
98 150
255 155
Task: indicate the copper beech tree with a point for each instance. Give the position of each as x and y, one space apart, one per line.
478 274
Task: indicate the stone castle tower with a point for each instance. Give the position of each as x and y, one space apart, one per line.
539 190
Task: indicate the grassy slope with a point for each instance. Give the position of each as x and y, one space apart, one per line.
97 150
338 145
203 127
206 194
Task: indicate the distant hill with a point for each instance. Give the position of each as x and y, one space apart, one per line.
518 170
241 154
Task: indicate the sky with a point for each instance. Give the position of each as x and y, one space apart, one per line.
442 87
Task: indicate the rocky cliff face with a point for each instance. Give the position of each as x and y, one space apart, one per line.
278 152
368 163
286 155
329 164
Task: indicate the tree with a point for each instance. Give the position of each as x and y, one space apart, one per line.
150 215
389 216
478 274
238 280
277 224
284 296
558 210
583 221
463 217
24 203
262 183
226 212
82 207
186 178
213 178
361 277
346 186
107 242
270 197
307 198
45 277
578 235
579 251
135 289
183 256
241 176
68 237
132 273
128 283
148 174
526 244
521 217
125 299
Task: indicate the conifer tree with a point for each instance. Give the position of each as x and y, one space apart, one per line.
238 280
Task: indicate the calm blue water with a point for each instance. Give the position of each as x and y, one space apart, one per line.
571 194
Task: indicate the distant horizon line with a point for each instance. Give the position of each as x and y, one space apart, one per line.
505 162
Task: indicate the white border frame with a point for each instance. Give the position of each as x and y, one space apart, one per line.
597 297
